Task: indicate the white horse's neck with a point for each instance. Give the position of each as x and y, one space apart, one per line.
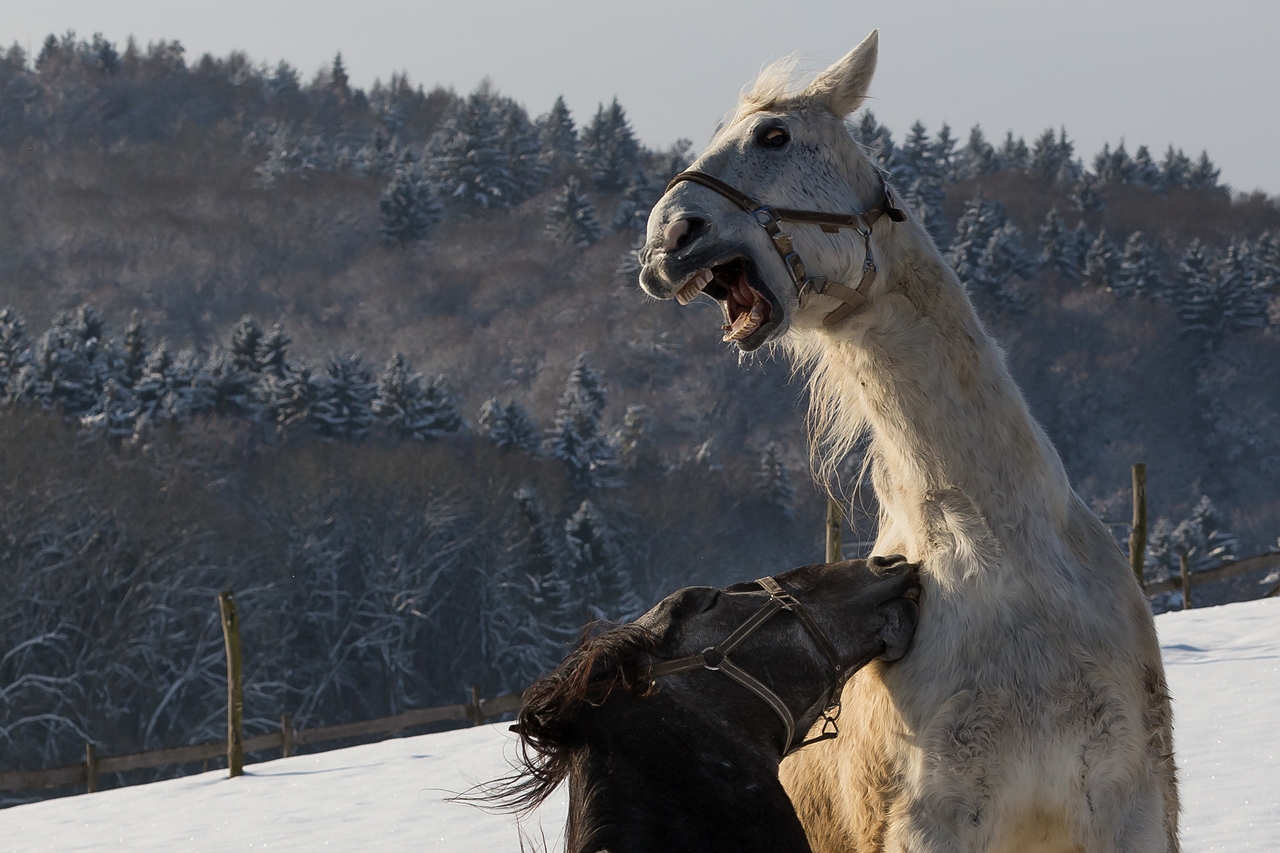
958 462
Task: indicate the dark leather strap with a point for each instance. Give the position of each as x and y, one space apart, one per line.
716 659
769 217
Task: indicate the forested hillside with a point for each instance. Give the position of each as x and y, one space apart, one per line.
379 362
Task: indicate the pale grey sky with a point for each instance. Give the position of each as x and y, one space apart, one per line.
1198 75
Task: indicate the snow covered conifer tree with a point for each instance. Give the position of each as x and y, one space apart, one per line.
246 337
1003 259
944 154
1055 244
975 229
341 408
1145 171
132 352
1113 167
596 567
1190 281
1013 155
877 139
1100 261
608 148
1226 299
977 157
558 139
116 415
637 200
406 406
1204 175
1175 169
571 219
15 349
407 207
775 481
1201 537
1086 197
467 157
576 439
1138 273
523 149
509 426
272 352
232 390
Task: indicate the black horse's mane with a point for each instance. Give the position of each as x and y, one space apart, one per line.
550 719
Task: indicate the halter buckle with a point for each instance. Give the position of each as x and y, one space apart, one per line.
763 215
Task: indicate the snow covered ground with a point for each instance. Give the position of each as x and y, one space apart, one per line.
1224 671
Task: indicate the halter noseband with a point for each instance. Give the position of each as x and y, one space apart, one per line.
769 219
716 659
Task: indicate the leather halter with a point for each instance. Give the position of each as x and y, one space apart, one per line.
770 217
716 659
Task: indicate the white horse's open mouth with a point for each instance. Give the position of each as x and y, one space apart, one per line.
751 312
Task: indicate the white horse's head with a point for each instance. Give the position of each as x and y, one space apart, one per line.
783 148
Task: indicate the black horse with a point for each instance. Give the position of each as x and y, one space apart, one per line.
670 729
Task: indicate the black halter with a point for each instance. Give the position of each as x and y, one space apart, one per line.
716 659
770 217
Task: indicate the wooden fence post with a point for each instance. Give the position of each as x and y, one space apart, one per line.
235 686
90 767
286 735
1184 569
835 519
1138 532
473 710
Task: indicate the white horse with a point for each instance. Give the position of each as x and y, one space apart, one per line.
1032 713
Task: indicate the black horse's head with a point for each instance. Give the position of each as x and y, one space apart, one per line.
603 713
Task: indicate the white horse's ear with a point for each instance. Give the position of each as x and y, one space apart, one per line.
843 87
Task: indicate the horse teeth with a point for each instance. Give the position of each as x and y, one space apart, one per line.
747 323
696 284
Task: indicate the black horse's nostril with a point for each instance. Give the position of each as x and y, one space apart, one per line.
682 232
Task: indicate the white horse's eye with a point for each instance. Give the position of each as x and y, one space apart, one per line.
772 135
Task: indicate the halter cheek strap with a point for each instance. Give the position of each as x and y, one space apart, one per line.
770 218
716 659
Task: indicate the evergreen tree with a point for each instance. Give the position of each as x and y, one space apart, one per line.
523 148
926 196
291 397
246 338
1145 171
558 139
1003 259
339 82
1190 280
406 406
1056 245
1053 159
509 426
468 159
1013 156
133 352
1138 273
597 569
915 157
1100 261
576 439
1201 537
571 219
115 417
407 207
774 481
14 349
608 148
1175 169
1204 175
341 407
877 139
379 156
977 157
272 352
1113 167
231 390
974 230
1226 299
944 154
1086 196
637 200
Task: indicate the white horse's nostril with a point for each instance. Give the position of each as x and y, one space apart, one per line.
672 236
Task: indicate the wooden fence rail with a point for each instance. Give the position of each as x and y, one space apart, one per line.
1221 573
86 772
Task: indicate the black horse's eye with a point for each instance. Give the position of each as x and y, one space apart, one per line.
772 135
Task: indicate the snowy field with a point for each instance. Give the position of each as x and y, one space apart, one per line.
1224 671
